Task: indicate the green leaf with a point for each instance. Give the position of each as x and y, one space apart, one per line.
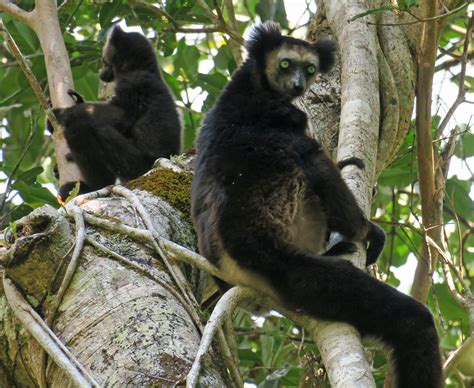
401 173
267 343
5 109
108 12
35 195
465 148
458 192
167 43
20 211
186 60
24 37
214 81
223 57
29 177
402 3
449 308
74 192
411 3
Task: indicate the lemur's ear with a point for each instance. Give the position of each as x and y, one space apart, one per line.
116 33
263 38
325 49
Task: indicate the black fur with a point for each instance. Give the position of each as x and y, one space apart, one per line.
262 186
351 161
123 137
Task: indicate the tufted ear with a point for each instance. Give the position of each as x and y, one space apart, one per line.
263 38
325 49
116 32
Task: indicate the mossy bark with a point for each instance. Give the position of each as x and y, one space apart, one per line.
124 325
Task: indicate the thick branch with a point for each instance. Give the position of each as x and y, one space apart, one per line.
47 28
358 137
430 209
18 13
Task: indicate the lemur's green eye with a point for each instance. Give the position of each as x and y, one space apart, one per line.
285 64
311 69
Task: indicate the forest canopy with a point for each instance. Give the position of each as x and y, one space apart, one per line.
199 44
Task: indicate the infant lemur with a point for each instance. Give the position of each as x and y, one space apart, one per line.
265 195
124 136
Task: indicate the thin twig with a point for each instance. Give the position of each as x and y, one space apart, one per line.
466 348
226 305
231 363
422 20
219 22
235 45
195 30
462 299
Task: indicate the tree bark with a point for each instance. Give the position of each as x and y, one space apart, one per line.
362 108
113 314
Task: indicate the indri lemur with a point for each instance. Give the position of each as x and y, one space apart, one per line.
265 194
124 136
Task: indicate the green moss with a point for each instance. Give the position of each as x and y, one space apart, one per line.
173 187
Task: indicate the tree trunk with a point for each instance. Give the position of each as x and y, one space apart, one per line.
361 108
123 322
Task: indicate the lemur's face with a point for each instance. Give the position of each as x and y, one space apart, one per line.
107 71
291 69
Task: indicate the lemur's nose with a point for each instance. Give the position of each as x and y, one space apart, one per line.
298 87
298 83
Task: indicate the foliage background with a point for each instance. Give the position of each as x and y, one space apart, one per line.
197 61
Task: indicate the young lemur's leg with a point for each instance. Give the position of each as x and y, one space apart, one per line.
102 152
85 143
123 157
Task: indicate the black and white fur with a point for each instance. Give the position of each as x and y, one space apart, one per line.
264 196
124 136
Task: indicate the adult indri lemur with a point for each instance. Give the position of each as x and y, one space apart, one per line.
124 136
265 194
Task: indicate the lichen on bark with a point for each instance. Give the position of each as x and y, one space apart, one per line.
111 315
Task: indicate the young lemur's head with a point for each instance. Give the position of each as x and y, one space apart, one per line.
125 52
288 65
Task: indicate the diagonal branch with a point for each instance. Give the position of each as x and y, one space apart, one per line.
426 158
223 309
10 8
